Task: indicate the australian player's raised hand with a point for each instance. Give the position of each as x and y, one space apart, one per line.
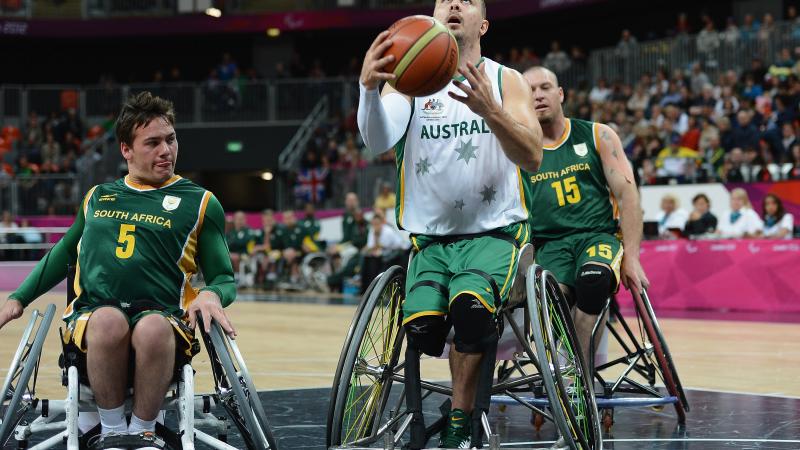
372 70
479 96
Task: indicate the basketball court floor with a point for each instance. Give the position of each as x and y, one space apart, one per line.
742 374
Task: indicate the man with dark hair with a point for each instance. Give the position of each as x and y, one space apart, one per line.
137 243
460 195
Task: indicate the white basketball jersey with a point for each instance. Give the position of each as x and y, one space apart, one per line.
454 176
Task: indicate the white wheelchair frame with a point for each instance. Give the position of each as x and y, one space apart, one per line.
193 411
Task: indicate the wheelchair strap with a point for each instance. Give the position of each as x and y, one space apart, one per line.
438 286
490 280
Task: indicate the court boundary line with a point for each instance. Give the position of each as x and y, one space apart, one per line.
777 441
723 391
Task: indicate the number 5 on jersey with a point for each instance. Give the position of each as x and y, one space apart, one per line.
126 240
570 188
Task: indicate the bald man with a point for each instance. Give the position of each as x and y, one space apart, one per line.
586 207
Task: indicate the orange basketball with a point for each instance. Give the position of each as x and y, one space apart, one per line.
425 55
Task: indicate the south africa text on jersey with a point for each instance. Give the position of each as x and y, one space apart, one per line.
550 175
136 217
454 130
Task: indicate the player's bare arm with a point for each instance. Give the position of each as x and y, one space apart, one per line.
12 309
620 179
514 122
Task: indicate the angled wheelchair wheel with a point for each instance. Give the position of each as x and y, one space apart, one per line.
565 375
236 391
667 370
315 269
364 377
19 391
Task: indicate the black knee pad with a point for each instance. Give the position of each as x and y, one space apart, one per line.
427 334
592 288
474 325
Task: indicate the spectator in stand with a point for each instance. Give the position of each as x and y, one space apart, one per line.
386 199
311 228
227 67
73 123
9 235
241 243
698 78
556 60
677 162
600 93
33 128
730 37
671 219
268 249
745 133
767 29
701 221
682 25
627 44
51 154
691 138
741 221
707 40
30 235
778 224
385 246
749 28
794 172
640 99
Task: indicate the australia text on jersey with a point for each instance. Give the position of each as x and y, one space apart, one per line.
557 174
454 130
137 217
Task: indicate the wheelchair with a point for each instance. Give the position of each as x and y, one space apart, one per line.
24 415
377 395
631 379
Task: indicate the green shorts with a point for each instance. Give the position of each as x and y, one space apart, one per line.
446 265
564 256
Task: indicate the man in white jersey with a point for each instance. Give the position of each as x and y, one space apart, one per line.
460 195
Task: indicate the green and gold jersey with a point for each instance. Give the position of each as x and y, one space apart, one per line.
140 243
275 236
242 240
569 194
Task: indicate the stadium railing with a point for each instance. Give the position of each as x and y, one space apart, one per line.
204 102
34 194
682 51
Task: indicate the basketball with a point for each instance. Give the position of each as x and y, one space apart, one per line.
425 55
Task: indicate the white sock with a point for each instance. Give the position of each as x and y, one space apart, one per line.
138 425
113 419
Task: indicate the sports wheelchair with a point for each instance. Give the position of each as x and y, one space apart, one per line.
24 415
377 395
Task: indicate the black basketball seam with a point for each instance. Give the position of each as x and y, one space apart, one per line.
449 43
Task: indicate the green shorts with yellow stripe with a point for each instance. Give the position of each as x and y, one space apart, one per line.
186 345
445 267
563 257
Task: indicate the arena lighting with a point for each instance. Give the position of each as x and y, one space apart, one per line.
273 32
213 12
266 176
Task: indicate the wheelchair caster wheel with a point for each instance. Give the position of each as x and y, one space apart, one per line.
608 420
537 420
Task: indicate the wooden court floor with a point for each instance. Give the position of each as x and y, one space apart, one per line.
292 345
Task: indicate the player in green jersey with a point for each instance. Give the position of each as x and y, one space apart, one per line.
241 243
136 244
583 196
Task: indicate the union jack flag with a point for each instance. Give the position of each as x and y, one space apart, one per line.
311 185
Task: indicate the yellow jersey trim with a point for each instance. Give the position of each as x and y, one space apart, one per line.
563 138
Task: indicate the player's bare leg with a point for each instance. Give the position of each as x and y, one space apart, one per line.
464 371
108 340
154 343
